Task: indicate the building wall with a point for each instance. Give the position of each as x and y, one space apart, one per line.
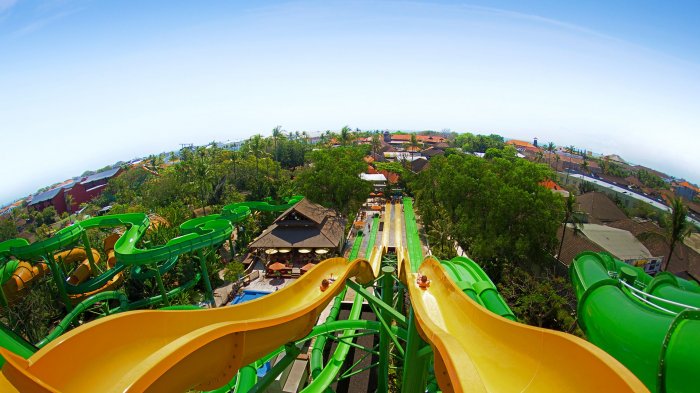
83 192
685 192
59 202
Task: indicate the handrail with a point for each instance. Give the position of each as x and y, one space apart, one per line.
644 297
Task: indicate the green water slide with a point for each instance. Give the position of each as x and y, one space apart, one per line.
247 378
474 282
415 249
651 325
196 236
322 376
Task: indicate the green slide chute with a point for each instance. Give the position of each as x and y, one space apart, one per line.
651 325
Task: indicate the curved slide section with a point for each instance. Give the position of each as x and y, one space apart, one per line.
474 282
18 276
479 351
178 350
661 347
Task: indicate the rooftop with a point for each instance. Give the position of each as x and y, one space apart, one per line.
44 196
574 244
101 175
373 177
419 138
619 242
599 208
521 144
304 225
687 185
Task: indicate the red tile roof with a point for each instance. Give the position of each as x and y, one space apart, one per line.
419 138
549 184
391 177
688 185
517 143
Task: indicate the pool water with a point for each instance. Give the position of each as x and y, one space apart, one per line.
248 295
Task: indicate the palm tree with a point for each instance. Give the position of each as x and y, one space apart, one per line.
413 144
276 134
677 227
376 144
584 166
539 156
255 147
345 135
550 147
569 216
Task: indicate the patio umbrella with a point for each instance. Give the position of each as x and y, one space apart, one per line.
277 266
308 267
284 250
271 251
321 251
304 251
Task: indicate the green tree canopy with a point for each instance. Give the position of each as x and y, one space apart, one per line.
499 212
333 178
471 143
8 229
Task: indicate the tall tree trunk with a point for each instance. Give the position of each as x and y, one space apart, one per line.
667 262
561 244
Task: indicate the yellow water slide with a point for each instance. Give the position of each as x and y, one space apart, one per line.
172 351
479 351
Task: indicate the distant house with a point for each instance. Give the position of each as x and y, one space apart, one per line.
378 180
522 146
599 208
615 158
401 139
304 225
55 197
685 190
90 187
419 165
81 191
432 152
555 188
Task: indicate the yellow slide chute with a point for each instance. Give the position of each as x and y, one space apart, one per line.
479 351
170 351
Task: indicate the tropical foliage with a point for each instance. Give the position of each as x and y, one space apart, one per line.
495 208
333 178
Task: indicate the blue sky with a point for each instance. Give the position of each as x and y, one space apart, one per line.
87 83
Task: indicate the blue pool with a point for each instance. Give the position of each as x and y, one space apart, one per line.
248 295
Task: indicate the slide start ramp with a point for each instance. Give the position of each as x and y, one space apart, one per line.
172 351
479 351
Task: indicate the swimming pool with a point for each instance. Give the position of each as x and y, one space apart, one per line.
248 295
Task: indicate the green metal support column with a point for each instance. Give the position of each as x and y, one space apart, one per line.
387 297
291 353
415 367
399 298
57 274
231 249
161 286
205 276
88 251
